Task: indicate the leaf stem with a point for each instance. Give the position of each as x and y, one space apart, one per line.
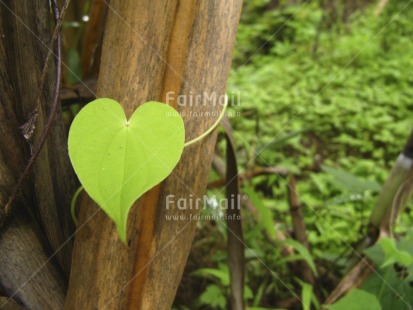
210 129
73 204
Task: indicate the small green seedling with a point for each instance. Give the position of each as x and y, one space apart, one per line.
118 160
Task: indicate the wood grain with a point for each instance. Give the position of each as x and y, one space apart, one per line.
26 272
151 48
27 35
40 221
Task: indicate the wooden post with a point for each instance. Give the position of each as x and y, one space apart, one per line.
154 50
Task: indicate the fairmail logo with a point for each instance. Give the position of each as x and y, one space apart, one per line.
191 202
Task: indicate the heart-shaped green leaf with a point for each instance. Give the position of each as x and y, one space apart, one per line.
118 160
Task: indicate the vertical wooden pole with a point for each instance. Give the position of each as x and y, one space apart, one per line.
155 50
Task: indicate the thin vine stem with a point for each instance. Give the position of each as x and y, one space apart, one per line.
73 204
210 129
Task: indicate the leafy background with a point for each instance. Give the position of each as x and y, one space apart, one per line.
328 97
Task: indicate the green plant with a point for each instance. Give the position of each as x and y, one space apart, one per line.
215 294
117 160
336 116
392 283
357 300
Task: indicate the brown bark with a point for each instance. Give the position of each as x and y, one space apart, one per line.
28 36
26 272
300 231
92 41
151 48
235 238
10 305
353 279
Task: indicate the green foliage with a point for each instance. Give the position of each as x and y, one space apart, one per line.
306 296
331 102
220 274
303 253
279 31
117 160
350 182
215 295
266 220
393 255
392 283
340 103
357 300
73 62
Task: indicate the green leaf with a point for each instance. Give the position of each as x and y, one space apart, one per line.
280 141
356 300
350 182
222 275
75 72
213 297
265 213
248 294
306 293
304 253
117 160
393 254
